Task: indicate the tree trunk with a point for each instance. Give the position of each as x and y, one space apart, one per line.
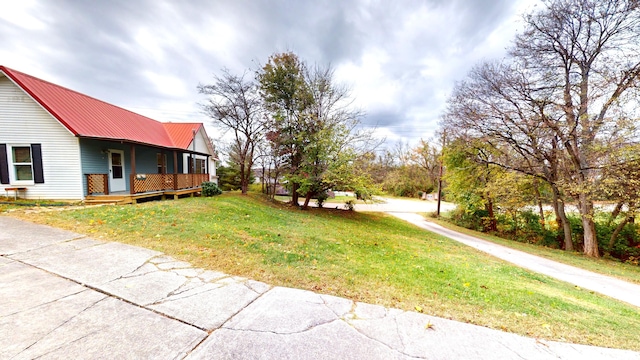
541 211
262 179
275 175
243 179
294 194
589 226
616 232
539 200
566 228
615 212
307 198
561 218
493 225
274 189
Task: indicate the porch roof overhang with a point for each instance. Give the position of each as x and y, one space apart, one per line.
132 142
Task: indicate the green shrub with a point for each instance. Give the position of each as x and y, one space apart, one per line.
210 189
474 219
321 198
526 226
350 205
255 187
363 194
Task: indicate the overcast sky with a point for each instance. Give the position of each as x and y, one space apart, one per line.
400 58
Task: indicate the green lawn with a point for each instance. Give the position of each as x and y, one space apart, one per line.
605 266
9 203
366 257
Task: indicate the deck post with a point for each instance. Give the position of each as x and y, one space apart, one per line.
133 169
175 170
106 184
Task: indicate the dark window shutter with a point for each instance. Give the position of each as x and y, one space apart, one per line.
190 165
4 165
36 154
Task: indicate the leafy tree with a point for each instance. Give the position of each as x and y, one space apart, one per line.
312 126
286 97
229 178
468 176
408 171
621 181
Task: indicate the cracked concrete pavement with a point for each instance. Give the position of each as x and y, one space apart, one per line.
64 295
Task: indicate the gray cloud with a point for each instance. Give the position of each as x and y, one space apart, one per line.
121 50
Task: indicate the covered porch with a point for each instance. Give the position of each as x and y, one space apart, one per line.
144 186
125 173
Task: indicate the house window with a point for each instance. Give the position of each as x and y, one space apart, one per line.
194 165
200 166
116 165
22 163
162 163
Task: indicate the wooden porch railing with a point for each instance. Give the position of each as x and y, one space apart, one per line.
97 184
142 183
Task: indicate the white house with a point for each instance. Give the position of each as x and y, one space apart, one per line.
56 143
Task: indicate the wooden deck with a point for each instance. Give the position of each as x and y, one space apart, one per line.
143 186
127 198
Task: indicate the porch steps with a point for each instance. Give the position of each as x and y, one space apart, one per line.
116 200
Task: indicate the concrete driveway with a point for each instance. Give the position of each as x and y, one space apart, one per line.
64 295
398 205
409 210
606 285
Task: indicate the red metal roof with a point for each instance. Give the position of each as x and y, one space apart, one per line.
88 117
182 133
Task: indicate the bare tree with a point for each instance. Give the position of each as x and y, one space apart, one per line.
588 52
235 105
427 157
497 105
563 100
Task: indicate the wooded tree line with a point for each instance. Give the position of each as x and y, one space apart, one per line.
556 120
293 121
403 170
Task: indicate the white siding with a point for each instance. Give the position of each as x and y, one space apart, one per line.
201 143
23 121
212 171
